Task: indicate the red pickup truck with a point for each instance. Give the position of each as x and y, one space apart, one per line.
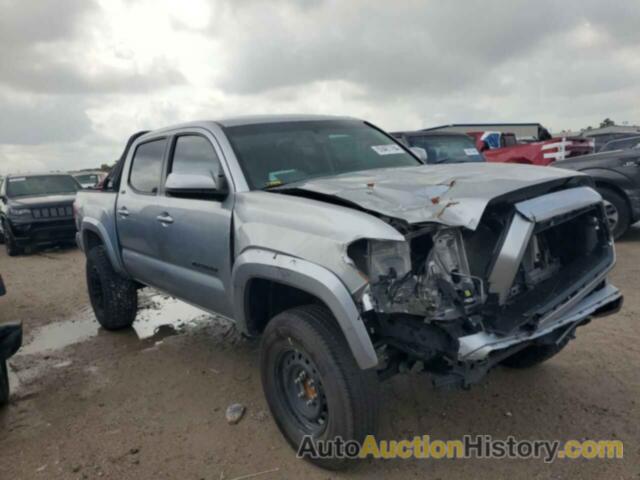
509 150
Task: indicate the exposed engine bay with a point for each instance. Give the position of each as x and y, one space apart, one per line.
506 276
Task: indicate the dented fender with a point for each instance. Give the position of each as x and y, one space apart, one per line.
311 278
317 231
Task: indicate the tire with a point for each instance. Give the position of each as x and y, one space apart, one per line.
534 355
4 383
114 298
13 250
344 397
618 212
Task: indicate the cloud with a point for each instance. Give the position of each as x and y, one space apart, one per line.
46 48
51 120
77 77
411 47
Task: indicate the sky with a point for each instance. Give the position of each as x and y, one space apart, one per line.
77 77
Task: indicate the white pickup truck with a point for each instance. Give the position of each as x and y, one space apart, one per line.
352 258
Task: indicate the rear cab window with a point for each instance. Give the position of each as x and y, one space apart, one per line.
146 166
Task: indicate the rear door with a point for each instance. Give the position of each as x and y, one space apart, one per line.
196 234
137 209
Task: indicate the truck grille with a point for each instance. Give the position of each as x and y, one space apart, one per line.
60 211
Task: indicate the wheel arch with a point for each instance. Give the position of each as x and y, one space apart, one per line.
93 234
257 272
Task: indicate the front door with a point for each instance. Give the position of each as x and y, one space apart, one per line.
195 234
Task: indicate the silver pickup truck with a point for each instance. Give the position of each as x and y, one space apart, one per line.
352 258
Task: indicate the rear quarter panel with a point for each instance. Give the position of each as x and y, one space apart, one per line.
95 215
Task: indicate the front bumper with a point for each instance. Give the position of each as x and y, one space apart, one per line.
480 346
43 232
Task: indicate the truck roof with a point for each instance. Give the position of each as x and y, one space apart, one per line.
252 120
429 133
35 174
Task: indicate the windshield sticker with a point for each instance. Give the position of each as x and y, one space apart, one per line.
387 149
17 179
471 152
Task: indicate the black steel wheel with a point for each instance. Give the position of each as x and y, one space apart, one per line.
312 383
301 388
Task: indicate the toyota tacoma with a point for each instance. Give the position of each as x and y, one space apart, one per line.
349 256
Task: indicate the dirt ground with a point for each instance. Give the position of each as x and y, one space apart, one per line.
89 403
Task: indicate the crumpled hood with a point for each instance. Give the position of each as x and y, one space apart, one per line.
454 195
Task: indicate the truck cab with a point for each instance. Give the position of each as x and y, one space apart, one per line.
351 258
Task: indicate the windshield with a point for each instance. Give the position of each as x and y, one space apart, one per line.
624 144
41 185
447 148
274 154
87 178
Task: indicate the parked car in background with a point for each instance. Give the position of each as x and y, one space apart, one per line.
602 136
442 147
505 148
89 179
621 144
10 341
617 178
37 209
351 258
520 143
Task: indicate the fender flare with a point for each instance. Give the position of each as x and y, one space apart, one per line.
91 225
313 279
604 175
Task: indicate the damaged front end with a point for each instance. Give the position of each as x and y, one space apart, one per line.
457 301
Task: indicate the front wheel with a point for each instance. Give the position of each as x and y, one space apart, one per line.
114 298
10 242
312 383
617 211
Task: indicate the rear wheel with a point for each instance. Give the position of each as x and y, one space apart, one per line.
114 298
617 211
312 383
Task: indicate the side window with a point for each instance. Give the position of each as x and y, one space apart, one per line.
194 154
146 169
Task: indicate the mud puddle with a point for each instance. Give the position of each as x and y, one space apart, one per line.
159 316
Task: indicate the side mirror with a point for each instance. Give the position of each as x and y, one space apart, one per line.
195 185
3 198
420 152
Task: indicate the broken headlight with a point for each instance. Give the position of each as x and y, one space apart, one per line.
427 275
380 259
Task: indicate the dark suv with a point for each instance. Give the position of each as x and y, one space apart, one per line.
617 178
36 210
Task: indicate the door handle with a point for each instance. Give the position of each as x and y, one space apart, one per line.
165 219
123 212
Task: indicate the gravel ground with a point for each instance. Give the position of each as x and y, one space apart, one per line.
91 404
